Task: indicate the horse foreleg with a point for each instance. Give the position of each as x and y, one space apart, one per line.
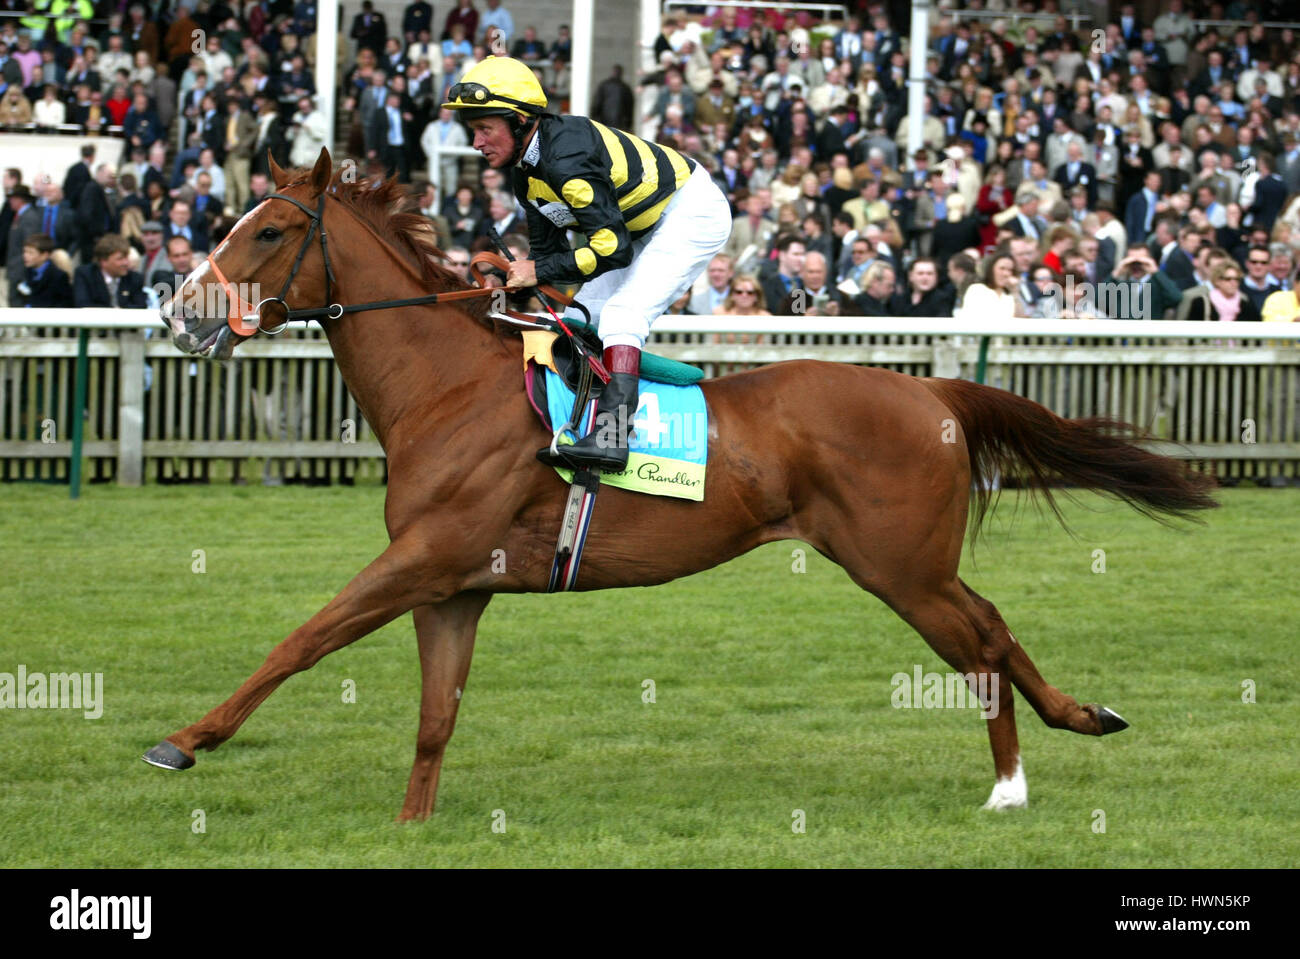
445 634
395 582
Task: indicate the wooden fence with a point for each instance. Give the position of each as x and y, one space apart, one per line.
282 413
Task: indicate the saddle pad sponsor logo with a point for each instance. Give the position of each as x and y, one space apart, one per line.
668 449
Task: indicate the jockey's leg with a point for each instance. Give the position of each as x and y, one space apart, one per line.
695 226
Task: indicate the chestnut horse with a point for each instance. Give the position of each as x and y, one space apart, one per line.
874 469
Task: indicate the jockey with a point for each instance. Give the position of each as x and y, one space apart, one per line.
652 219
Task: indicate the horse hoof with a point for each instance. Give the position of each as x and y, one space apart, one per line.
167 756
1111 721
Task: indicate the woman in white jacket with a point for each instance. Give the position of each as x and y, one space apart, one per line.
49 110
992 296
310 131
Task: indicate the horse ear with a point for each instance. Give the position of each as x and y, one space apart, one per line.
279 176
321 172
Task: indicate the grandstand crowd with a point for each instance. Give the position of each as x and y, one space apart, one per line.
1134 169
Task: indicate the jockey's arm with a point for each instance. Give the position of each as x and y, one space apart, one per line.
589 195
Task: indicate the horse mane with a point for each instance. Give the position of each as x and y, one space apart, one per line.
386 205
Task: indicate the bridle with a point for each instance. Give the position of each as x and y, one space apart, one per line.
245 319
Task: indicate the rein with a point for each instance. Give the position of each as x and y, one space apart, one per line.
245 319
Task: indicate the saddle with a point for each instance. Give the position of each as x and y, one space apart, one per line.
551 350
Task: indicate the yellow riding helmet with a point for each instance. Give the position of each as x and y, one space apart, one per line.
497 85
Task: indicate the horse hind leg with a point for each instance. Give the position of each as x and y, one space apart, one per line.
1054 707
445 633
952 626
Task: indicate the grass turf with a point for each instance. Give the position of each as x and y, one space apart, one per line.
772 695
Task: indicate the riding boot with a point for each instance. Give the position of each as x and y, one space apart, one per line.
605 447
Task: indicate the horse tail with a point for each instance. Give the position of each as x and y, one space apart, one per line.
1010 436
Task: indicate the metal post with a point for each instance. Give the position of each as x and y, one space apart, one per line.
916 75
580 68
327 51
79 412
982 365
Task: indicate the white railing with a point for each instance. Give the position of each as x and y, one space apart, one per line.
101 318
1226 394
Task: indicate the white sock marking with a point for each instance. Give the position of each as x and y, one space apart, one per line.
1012 793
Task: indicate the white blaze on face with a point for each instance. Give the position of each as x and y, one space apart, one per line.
198 277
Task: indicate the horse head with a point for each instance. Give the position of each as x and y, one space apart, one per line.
273 260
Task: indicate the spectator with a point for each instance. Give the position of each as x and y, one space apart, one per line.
1258 284
390 138
208 164
49 111
417 18
561 51
961 274
1139 216
877 290
58 219
1282 264
1178 263
711 300
1138 290
97 209
15 109
1223 300
751 233
141 125
1023 219
457 48
79 174
463 214
443 132
457 258
502 215
42 285
109 281
308 130
529 47
955 232
746 297
1282 306
369 29
992 296
241 132
924 296
816 297
496 16
462 15
259 187
180 222
209 212
25 222
1269 193
170 273
790 251
154 258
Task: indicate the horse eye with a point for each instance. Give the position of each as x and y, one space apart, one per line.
270 233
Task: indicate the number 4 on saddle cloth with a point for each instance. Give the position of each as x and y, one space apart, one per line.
668 451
